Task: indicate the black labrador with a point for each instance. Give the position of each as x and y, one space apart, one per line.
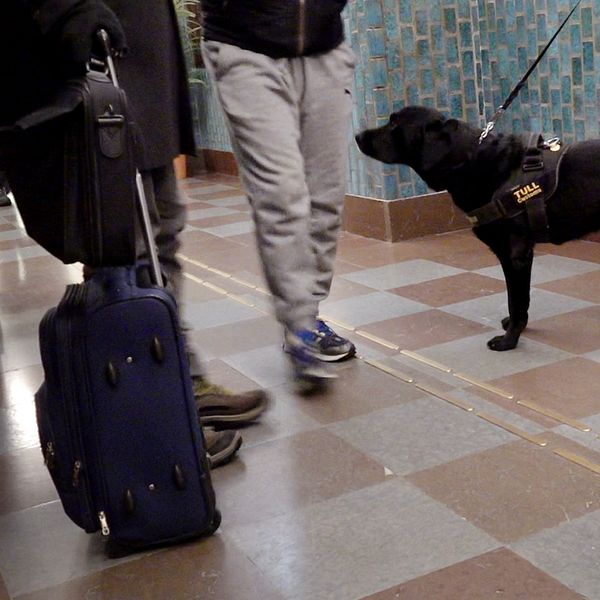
447 155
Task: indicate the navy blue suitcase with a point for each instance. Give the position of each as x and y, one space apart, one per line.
116 414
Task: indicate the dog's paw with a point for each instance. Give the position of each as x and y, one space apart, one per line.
520 326
501 343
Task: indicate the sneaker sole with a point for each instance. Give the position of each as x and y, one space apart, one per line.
227 454
238 418
337 357
329 357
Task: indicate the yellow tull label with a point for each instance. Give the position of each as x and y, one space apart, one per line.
527 192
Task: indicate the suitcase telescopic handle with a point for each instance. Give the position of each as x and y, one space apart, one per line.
142 203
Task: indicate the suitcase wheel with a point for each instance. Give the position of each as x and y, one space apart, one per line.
179 477
112 374
156 350
215 523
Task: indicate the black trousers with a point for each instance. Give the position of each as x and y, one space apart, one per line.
4 182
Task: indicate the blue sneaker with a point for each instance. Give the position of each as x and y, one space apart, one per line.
302 347
327 345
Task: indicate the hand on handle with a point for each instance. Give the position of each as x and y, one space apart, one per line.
75 34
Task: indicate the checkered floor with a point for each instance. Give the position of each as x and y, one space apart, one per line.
434 469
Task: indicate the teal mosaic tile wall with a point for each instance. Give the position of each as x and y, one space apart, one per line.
462 57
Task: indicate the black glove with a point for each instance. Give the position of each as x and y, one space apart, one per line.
75 34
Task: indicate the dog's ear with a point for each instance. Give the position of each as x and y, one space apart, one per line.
437 137
434 126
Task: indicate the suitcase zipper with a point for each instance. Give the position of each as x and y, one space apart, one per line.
71 300
78 300
103 523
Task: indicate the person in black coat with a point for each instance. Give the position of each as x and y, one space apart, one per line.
42 42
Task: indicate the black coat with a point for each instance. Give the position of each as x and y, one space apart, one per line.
153 74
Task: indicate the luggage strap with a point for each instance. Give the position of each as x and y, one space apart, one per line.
527 189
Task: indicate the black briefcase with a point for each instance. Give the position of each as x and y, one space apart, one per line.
72 173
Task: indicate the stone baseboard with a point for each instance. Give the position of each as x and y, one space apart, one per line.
593 237
404 218
218 161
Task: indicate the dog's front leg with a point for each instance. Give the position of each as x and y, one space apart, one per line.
517 272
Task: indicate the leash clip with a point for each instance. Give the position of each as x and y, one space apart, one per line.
491 124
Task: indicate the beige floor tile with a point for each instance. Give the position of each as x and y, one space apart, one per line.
230 260
497 574
581 249
424 329
359 389
279 477
198 245
577 332
198 204
210 568
19 243
228 193
583 287
3 593
568 386
223 374
514 490
19 386
243 336
24 480
449 290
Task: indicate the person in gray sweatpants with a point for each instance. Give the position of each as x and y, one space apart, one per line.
288 108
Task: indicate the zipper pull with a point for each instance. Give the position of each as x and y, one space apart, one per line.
76 473
103 523
49 456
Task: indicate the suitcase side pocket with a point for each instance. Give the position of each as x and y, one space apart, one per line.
58 428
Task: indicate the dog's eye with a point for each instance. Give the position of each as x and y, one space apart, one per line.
394 120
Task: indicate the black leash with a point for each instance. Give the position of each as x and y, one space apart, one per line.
490 125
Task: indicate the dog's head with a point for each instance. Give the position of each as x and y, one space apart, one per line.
422 138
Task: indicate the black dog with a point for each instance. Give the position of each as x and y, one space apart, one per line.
447 155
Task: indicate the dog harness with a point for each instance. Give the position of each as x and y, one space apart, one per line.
527 189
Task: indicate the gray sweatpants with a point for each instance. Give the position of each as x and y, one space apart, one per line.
288 121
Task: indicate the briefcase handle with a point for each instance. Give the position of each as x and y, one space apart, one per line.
142 203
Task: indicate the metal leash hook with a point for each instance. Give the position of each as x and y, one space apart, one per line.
491 124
